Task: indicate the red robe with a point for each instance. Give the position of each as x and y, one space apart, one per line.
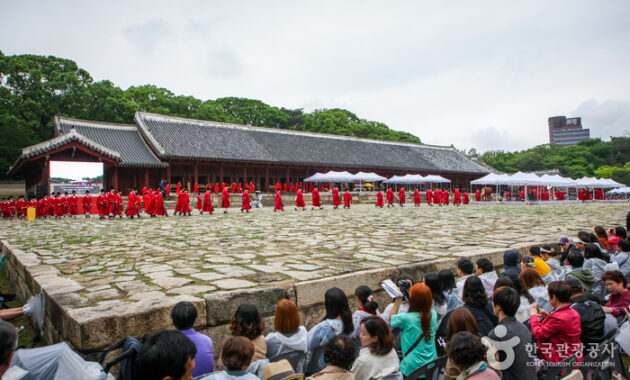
87 204
119 204
315 199
158 204
246 205
178 203
466 200
335 195
347 199
185 203
216 188
478 196
379 199
437 196
290 188
177 190
581 194
588 195
131 205
225 198
60 204
278 202
103 209
285 188
196 188
445 197
299 199
416 197
278 187
148 205
390 196
199 204
251 187
113 203
20 206
240 188
168 190
401 196
74 205
207 202
457 197
429 196
233 187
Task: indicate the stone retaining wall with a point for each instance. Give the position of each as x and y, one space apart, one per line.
90 329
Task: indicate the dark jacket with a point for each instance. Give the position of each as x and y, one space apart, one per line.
592 318
511 263
486 320
523 366
585 277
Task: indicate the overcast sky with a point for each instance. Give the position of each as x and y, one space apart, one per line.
476 74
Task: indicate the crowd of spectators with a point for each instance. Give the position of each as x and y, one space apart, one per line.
486 325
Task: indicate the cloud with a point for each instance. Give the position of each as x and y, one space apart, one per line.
146 36
605 119
492 138
223 62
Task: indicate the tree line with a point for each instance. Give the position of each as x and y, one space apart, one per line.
33 89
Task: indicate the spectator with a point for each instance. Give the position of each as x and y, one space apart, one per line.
288 337
236 353
453 296
460 320
505 302
595 262
541 266
527 262
165 354
602 237
592 315
417 329
367 307
581 241
281 370
337 320
377 358
487 275
467 353
7 314
619 294
339 354
526 300
622 257
465 269
547 254
566 246
8 345
558 333
439 299
510 262
586 277
619 234
476 301
183 316
248 323
404 306
536 288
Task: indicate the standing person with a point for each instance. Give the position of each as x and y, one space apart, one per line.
429 196
416 198
457 197
377 359
112 202
446 197
102 205
119 204
159 205
466 200
379 199
168 190
138 199
131 210
390 197
225 200
186 202
199 204
437 197
148 206
60 205
478 196
347 199
74 205
179 203
418 327
245 201
336 199
278 202
87 204
299 200
207 202
401 196
20 207
315 200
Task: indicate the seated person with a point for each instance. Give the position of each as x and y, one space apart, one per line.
465 269
476 301
548 254
468 354
236 354
617 286
541 266
289 337
377 358
248 323
586 277
622 257
557 333
592 315
339 354
510 262
536 288
487 275
183 316
8 345
166 355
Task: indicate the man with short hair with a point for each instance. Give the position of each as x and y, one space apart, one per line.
487 275
592 315
166 355
465 269
8 344
506 302
585 276
566 246
541 266
183 316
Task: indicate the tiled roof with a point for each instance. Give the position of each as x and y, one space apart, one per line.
173 137
123 139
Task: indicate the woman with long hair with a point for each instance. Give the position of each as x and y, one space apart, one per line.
247 322
460 320
377 359
439 299
367 307
476 301
338 320
417 327
602 237
537 288
449 288
289 337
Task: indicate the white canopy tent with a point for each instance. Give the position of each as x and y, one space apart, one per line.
492 179
407 179
436 179
331 176
368 177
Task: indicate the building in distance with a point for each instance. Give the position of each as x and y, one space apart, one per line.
567 131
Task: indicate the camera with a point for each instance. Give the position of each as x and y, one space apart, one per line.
404 286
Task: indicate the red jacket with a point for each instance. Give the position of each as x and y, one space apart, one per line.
558 335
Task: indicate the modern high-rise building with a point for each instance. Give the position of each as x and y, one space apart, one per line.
567 131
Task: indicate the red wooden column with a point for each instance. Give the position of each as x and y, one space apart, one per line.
115 180
45 174
146 177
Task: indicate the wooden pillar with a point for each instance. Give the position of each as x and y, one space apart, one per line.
220 174
244 175
46 174
196 172
267 183
146 177
287 176
168 174
115 180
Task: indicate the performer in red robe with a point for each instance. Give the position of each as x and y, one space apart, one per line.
478 195
225 200
148 205
401 196
277 205
457 197
285 188
74 204
335 196
587 194
86 201
389 194
299 200
199 204
437 197
446 197
581 195
185 202
59 206
278 186
217 188
112 203
429 196
177 189
20 207
196 188
379 199
207 203
178 203
119 204
245 201
101 204
315 201
158 204
466 200
234 188
251 187
240 188
416 198
168 190
347 199
131 209
290 188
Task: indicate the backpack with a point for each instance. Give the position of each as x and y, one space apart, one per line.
130 347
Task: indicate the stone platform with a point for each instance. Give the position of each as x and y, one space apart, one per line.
108 279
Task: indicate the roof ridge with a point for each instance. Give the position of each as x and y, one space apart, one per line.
73 134
142 114
96 124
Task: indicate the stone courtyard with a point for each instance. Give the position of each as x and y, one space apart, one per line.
103 265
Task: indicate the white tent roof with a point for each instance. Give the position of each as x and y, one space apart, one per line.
436 179
525 179
557 181
368 177
407 179
492 179
331 176
620 190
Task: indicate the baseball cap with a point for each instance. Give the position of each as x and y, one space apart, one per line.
529 261
563 241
